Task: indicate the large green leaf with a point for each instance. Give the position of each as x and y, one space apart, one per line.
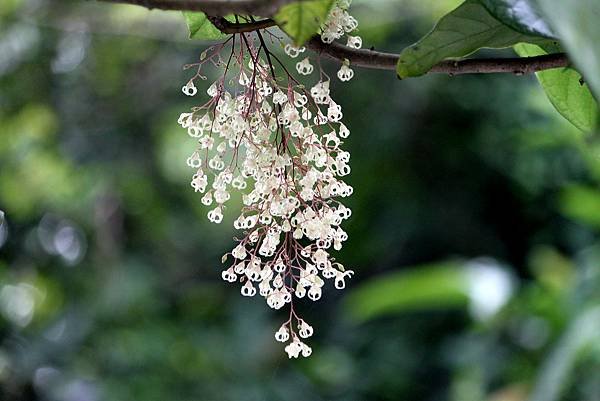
576 24
302 19
432 286
522 15
461 32
566 91
200 27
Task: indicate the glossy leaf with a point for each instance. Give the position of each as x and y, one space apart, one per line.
576 24
199 27
459 33
522 15
565 89
433 286
303 19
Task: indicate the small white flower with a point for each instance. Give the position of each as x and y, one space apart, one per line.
304 329
212 90
207 199
189 89
354 42
215 215
282 335
293 51
345 73
343 132
239 252
279 98
293 349
304 67
248 289
229 275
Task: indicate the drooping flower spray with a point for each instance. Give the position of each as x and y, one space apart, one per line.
263 133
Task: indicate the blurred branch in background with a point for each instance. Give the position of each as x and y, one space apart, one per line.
118 20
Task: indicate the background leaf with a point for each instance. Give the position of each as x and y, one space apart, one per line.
200 27
581 203
581 333
565 90
439 285
459 33
576 24
301 20
522 15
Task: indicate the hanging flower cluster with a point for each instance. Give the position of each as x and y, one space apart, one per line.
278 142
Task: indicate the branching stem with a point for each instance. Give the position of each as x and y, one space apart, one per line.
215 9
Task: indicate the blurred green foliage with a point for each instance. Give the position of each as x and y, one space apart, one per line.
474 235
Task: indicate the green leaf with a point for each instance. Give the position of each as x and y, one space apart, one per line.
565 90
521 15
581 204
303 19
439 285
200 27
561 362
576 24
461 32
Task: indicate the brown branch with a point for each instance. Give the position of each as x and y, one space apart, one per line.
357 57
230 28
388 61
212 7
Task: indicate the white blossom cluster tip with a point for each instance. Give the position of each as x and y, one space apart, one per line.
278 143
338 24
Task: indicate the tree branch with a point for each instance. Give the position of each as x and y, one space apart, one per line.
388 61
230 28
212 7
215 9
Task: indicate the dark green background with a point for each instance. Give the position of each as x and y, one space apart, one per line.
110 282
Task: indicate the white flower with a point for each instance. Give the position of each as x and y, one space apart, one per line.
239 252
212 90
293 349
293 51
274 141
248 289
279 98
215 215
304 329
189 89
297 348
282 335
207 199
354 41
345 73
304 67
229 275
